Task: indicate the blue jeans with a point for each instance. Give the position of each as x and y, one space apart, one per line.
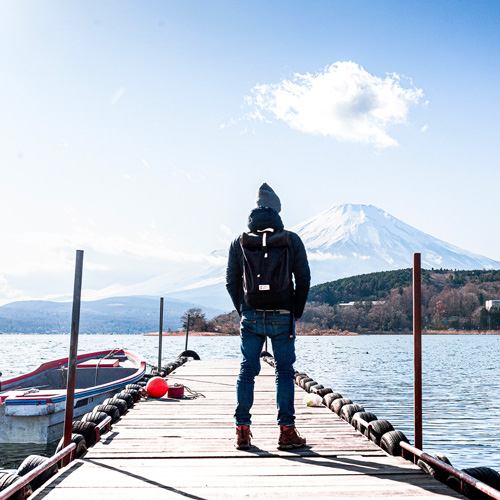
255 327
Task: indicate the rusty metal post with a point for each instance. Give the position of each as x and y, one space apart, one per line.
73 350
187 332
160 336
417 349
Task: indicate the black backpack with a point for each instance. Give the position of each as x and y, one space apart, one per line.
267 269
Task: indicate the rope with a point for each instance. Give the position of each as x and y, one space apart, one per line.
111 353
192 394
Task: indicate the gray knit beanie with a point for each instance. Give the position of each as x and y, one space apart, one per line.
266 197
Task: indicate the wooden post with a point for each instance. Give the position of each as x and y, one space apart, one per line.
160 336
417 350
187 332
73 350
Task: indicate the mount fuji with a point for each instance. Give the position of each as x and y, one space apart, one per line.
345 240
348 240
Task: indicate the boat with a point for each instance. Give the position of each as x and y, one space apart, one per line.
32 405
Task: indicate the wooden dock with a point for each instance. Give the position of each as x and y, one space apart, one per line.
167 448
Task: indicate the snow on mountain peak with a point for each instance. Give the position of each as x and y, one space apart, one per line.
364 238
342 223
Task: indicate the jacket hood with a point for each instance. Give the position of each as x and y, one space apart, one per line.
263 218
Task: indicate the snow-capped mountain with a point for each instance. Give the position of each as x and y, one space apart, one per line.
345 240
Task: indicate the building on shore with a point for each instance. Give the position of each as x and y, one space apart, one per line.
492 304
367 302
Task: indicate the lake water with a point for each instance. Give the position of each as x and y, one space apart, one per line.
461 394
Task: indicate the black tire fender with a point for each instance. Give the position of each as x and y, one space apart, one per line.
362 415
110 410
309 385
119 403
94 416
315 388
134 393
483 474
378 429
439 474
8 479
32 462
299 377
189 354
348 411
391 442
87 430
330 398
136 387
338 403
126 397
304 380
323 392
79 440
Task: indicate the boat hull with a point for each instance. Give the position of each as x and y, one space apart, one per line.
38 416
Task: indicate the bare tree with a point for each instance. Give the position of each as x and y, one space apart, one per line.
197 319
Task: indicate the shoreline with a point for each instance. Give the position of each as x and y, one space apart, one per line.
331 333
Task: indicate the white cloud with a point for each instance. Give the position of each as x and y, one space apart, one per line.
362 257
343 101
321 256
55 252
425 128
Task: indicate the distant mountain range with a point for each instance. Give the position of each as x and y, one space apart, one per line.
126 315
345 240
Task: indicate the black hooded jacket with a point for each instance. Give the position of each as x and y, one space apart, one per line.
260 219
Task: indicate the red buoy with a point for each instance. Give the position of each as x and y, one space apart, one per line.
156 387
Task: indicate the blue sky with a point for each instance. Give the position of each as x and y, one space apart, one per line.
140 131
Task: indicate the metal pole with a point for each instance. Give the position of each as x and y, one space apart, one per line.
187 333
73 350
160 335
417 349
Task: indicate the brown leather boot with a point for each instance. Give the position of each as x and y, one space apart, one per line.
289 438
243 436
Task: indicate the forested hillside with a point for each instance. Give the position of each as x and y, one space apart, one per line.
450 299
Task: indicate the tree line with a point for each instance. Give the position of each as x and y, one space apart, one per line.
450 300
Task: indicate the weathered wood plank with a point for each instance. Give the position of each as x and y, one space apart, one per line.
169 448
294 465
128 478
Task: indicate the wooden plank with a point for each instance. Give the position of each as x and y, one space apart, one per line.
128 478
169 448
294 465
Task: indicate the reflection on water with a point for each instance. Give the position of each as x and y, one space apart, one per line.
11 455
461 399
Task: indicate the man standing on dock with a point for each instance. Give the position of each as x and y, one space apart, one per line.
259 280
